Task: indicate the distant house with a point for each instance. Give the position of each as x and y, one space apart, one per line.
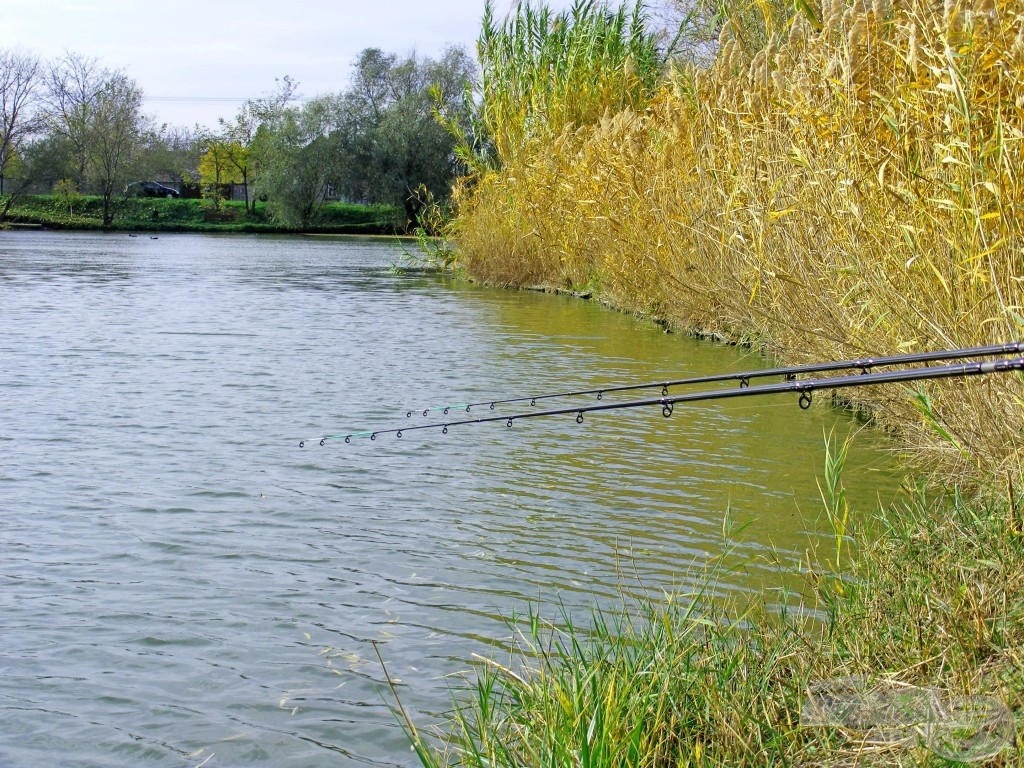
237 192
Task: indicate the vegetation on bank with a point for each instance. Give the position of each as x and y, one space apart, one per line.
154 214
839 182
687 681
850 187
72 127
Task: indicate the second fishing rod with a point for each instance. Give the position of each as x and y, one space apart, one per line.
789 373
804 388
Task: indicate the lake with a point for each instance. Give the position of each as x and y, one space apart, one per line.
182 584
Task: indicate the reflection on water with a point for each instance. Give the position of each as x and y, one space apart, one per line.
180 580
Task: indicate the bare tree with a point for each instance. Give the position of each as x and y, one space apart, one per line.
694 25
99 114
19 84
689 28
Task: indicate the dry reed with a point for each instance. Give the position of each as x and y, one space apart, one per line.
852 187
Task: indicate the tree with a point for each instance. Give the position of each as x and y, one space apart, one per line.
391 143
19 83
694 26
299 158
98 113
168 153
215 168
241 136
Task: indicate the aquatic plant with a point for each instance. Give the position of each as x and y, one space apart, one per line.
544 72
695 679
849 188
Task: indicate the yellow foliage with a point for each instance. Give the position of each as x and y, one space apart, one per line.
854 189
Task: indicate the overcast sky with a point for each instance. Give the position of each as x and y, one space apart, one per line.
197 60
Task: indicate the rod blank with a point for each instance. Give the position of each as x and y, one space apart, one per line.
802 387
863 364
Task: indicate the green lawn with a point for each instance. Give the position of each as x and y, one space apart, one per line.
189 215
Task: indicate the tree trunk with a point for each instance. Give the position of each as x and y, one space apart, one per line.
412 212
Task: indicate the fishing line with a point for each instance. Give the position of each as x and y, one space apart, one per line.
804 388
864 365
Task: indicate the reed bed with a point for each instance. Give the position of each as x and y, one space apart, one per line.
845 181
852 187
538 70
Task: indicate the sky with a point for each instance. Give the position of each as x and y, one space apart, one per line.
198 60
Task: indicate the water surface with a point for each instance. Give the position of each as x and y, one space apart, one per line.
181 583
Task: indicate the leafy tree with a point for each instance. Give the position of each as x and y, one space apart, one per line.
166 154
19 85
243 134
65 191
47 160
98 114
217 167
392 146
299 153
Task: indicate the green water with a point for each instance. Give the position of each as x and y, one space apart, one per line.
181 580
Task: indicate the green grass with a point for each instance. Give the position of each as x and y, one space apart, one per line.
189 215
543 72
931 597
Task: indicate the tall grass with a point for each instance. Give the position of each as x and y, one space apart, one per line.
846 181
543 72
688 681
667 686
852 187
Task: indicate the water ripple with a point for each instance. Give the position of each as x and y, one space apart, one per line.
179 579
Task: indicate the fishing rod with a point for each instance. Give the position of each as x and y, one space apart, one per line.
790 373
803 387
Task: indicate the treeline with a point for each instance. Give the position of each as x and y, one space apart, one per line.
74 128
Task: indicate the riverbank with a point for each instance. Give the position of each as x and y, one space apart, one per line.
905 648
847 185
152 214
814 215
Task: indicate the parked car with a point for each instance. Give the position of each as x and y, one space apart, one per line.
150 189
